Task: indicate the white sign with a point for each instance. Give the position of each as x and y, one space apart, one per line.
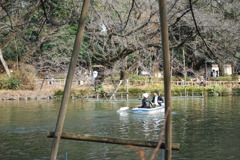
95 74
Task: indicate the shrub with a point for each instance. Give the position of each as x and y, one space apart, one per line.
98 86
225 78
3 84
235 77
122 89
155 86
195 90
58 93
177 90
174 78
199 89
26 79
137 90
76 93
84 92
188 79
216 89
236 90
137 77
81 92
9 82
13 83
191 90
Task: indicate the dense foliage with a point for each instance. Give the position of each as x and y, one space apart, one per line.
10 83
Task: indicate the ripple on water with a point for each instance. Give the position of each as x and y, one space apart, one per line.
205 130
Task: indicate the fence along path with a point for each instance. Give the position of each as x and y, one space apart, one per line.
136 82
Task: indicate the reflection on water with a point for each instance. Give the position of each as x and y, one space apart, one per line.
206 129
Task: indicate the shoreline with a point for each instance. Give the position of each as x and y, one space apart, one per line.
85 92
25 95
48 92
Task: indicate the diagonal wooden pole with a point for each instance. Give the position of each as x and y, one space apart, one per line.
67 89
167 79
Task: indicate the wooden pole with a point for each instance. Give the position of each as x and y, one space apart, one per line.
90 138
167 79
43 82
185 74
127 88
113 94
68 84
206 78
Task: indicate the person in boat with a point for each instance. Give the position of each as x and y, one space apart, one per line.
157 99
146 103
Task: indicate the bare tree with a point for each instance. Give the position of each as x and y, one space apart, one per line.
122 35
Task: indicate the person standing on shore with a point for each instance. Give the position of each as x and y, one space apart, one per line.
157 99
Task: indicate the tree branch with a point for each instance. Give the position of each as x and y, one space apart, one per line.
198 31
129 13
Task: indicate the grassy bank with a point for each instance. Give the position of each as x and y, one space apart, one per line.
105 91
190 90
20 80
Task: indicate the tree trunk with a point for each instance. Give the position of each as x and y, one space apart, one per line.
4 63
221 68
123 75
89 62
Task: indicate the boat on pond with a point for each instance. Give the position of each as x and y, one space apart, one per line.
148 110
142 110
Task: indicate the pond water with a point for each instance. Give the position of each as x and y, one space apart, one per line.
206 128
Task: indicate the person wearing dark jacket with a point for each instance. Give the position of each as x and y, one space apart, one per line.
157 99
146 103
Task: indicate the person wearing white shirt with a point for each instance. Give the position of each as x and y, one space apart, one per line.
157 99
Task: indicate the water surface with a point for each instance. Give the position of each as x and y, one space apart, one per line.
206 129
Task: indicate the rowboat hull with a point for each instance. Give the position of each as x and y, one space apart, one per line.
148 110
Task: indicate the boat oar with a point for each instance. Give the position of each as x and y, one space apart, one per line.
122 109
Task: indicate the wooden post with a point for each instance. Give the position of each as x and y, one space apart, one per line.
86 137
113 94
127 88
167 78
65 156
185 74
206 78
162 154
43 82
68 84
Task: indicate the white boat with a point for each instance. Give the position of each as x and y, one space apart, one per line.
148 110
